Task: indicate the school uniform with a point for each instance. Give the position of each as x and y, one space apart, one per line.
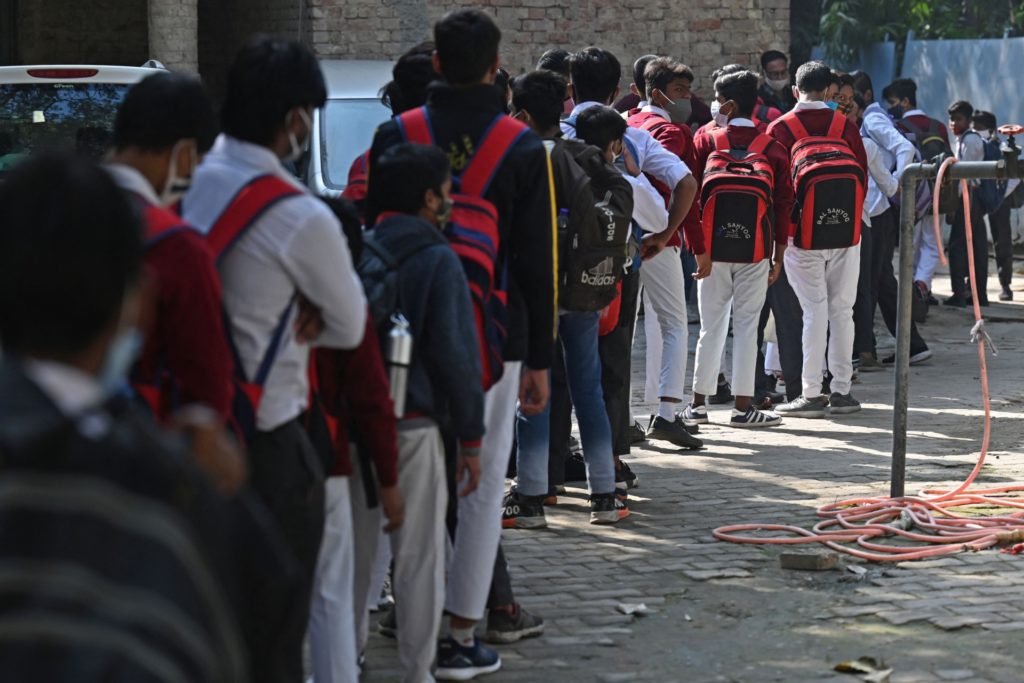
294 246
741 287
969 147
828 310
926 249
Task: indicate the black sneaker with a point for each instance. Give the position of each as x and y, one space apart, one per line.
673 432
919 304
626 476
574 444
915 358
722 396
523 512
575 467
388 624
607 508
956 301
1006 294
457 662
512 625
636 434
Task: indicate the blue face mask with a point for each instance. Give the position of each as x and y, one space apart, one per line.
120 357
834 106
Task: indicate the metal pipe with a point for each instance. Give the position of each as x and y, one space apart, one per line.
915 173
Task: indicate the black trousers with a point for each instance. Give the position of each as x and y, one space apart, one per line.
616 351
285 472
501 593
863 307
884 230
789 330
960 251
999 222
561 420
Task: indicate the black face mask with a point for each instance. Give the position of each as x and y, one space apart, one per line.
896 111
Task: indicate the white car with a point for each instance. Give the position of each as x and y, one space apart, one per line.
61 106
344 128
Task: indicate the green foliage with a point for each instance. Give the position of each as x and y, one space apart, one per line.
848 25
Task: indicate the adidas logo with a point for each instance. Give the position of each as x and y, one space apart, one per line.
601 275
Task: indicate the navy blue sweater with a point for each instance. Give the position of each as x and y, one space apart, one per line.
445 380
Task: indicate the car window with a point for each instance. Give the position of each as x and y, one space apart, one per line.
39 116
346 131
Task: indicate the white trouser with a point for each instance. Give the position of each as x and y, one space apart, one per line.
479 515
372 554
743 287
772 363
825 282
665 325
418 545
926 250
332 638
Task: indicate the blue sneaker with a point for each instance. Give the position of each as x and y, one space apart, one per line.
456 662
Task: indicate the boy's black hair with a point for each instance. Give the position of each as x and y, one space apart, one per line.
741 88
858 99
771 56
541 93
595 75
467 45
963 108
845 79
985 119
502 83
555 60
862 83
269 78
639 69
162 109
351 223
902 88
413 72
70 247
661 71
402 176
600 126
727 69
813 77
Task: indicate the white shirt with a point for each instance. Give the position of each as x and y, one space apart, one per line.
130 179
896 151
652 157
295 246
802 106
742 123
70 389
648 206
970 147
882 183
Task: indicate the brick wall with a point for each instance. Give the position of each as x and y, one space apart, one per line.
705 34
173 30
83 31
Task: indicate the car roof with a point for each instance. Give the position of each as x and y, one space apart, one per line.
355 78
104 74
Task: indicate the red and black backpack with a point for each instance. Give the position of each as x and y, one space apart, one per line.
736 200
472 229
829 184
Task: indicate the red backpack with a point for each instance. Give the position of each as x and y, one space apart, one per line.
736 200
829 184
248 205
358 173
472 229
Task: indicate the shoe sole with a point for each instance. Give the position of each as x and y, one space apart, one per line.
508 637
844 410
608 517
806 414
524 523
755 425
466 674
672 440
690 421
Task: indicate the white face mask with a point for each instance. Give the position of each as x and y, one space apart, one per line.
297 149
779 85
176 186
986 135
721 120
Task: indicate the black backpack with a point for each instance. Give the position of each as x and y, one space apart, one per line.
595 206
101 580
990 192
931 143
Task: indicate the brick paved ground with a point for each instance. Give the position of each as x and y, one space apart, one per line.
723 612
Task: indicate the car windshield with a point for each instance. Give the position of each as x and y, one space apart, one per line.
40 116
346 131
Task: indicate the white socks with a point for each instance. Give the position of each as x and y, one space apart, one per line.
667 410
464 636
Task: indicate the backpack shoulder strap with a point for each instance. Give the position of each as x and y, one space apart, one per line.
836 126
495 144
720 139
244 209
414 125
161 223
760 144
795 126
908 126
653 122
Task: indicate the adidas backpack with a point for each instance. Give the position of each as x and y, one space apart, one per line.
736 200
472 229
597 205
829 184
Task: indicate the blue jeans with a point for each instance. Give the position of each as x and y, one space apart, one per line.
577 332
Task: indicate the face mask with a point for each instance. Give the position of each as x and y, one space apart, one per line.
986 135
119 360
297 149
721 120
679 111
176 186
444 212
833 105
777 85
896 111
